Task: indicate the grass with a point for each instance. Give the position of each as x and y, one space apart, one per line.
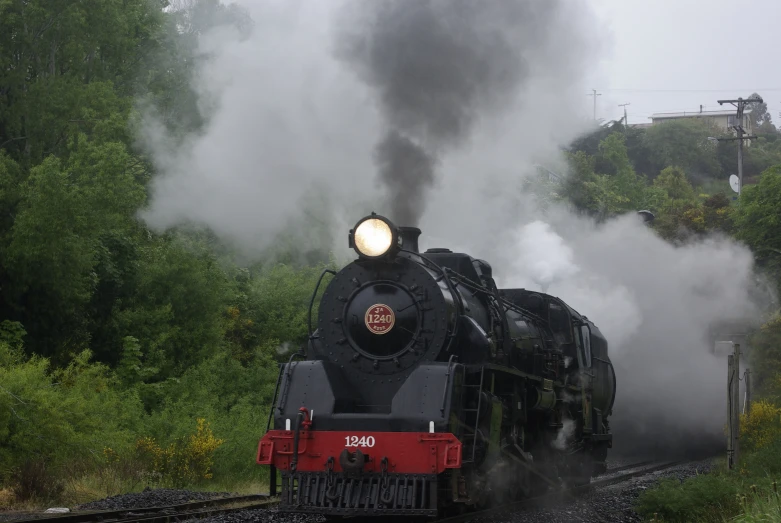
97 486
761 508
705 497
748 494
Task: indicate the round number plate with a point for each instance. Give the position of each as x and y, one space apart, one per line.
379 318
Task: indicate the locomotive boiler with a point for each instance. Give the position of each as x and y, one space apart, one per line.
426 389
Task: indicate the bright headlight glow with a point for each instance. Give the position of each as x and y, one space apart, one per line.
373 237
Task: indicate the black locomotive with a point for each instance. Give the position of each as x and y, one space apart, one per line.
425 388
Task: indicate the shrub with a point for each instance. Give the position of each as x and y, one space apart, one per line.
34 480
762 427
706 496
54 423
765 462
186 461
236 399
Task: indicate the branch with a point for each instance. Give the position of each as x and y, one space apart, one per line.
46 25
15 414
17 398
12 140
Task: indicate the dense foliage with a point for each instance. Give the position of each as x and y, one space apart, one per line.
128 356
115 340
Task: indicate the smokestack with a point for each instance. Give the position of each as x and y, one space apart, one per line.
700 107
409 238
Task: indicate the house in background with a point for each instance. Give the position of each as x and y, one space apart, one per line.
725 119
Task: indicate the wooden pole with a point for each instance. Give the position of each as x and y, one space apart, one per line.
736 405
730 417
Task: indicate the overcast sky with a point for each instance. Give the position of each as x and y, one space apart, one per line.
673 55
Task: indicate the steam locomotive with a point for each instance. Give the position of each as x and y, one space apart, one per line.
426 389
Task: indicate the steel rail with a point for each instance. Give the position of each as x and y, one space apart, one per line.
163 513
217 506
570 493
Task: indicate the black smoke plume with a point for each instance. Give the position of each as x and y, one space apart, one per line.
404 165
438 67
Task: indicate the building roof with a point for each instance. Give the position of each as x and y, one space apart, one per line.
691 114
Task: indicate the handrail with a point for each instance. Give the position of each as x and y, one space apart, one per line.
314 295
447 382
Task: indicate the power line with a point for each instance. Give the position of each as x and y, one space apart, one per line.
632 90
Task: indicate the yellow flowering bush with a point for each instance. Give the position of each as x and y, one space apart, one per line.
186 461
761 427
200 450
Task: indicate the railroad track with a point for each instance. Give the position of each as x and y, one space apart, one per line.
634 470
201 509
164 514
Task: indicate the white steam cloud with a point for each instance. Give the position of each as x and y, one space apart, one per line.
292 128
655 304
291 134
288 131
566 431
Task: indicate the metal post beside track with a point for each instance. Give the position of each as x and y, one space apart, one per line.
733 405
730 417
736 406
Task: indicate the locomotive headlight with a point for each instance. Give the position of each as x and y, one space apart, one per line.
374 236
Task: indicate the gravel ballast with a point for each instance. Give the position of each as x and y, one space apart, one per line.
609 504
151 498
613 503
147 498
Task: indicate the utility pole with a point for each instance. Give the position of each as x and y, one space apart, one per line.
595 94
733 405
736 409
740 104
733 363
626 122
730 417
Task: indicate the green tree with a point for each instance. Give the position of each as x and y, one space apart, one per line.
581 172
176 311
760 117
684 143
624 180
49 51
758 220
74 409
758 155
169 67
674 183
10 180
679 217
603 195
66 210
